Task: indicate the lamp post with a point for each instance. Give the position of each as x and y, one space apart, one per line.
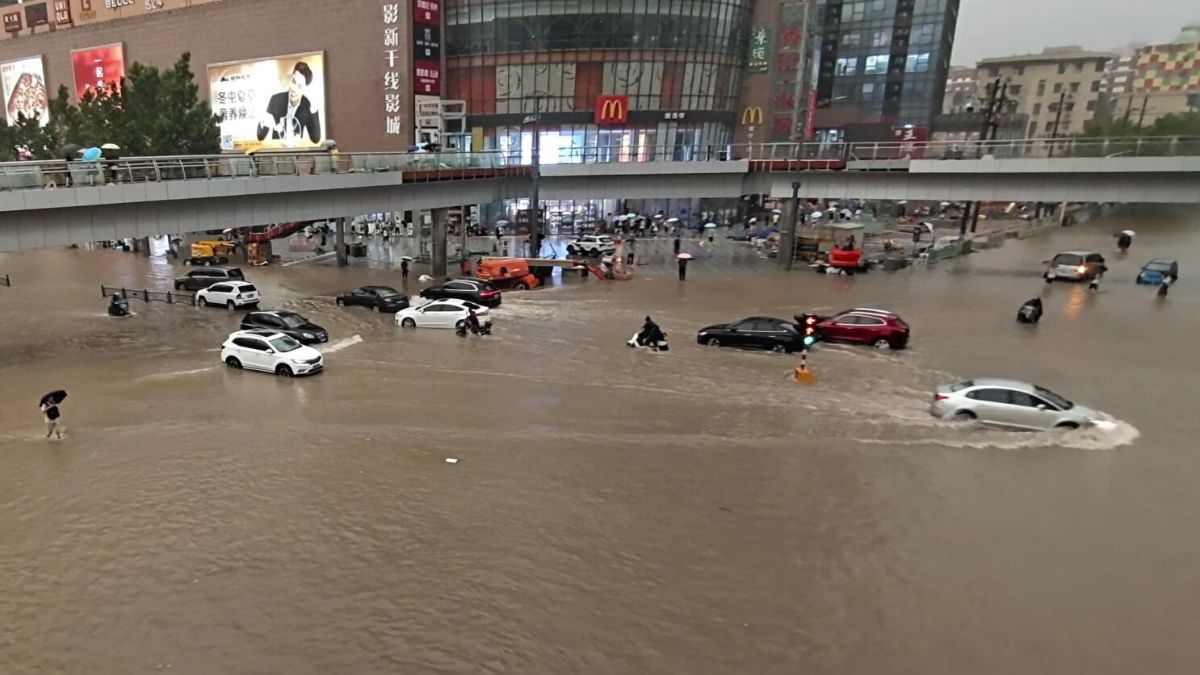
535 173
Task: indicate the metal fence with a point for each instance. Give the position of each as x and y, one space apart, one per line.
168 297
425 166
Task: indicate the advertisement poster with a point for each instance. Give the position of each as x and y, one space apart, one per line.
97 65
37 15
427 47
23 84
278 102
759 59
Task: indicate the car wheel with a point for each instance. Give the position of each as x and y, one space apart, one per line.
283 371
222 260
571 250
187 262
178 286
882 344
232 362
778 349
713 342
377 308
965 416
1067 425
339 302
230 306
205 263
521 286
408 323
202 302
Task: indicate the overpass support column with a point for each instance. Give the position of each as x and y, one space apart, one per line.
438 249
339 241
787 234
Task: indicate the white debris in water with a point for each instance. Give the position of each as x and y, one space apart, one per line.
342 344
452 460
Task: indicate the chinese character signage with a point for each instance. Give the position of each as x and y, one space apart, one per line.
912 141
24 87
62 12
759 59
612 109
393 63
427 47
97 66
270 103
12 22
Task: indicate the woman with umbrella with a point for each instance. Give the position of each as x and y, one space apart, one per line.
49 405
683 258
1124 240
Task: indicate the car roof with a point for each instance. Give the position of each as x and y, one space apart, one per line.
377 286
267 334
1078 253
763 318
868 310
238 282
1003 383
452 301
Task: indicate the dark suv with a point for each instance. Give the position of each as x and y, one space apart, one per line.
476 290
289 323
203 278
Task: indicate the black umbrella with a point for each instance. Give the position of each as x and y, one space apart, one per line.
53 398
70 151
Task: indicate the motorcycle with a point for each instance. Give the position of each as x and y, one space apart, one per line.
638 341
118 306
1030 312
464 326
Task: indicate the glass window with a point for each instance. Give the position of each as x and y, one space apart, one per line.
1054 398
285 344
917 63
1058 87
876 64
1091 105
1041 89
881 38
1037 108
851 39
1074 87
1062 69
219 288
989 395
1095 85
847 66
923 34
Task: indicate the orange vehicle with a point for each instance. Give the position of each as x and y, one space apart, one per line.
508 273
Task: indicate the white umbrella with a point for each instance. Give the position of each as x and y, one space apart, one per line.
672 220
776 211
407 257
753 220
684 256
228 230
710 226
501 222
1128 232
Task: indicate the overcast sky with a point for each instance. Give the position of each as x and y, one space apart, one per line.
1001 28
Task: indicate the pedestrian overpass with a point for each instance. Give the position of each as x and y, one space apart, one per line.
56 203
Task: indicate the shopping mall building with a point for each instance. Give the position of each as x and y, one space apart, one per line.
600 80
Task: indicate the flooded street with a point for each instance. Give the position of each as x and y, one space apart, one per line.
611 511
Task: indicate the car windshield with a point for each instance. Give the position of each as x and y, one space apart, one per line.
293 320
1067 259
284 344
1058 401
1159 266
488 287
962 385
246 289
386 292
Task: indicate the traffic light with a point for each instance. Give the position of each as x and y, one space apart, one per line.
809 326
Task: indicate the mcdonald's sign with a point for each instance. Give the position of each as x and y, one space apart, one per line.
752 115
612 109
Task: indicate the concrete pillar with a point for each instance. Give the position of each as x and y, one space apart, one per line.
438 249
141 245
340 241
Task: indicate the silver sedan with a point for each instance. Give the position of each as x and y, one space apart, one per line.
1012 404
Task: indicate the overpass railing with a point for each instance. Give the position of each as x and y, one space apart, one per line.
1029 148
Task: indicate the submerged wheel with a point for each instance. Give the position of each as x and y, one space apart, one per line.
778 349
408 323
882 343
521 286
232 362
965 416
202 302
283 371
713 342
1067 425
230 306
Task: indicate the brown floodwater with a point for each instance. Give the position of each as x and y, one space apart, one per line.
611 511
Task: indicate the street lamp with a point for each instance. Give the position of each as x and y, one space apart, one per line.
535 172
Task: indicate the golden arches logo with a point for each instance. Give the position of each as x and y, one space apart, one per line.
752 115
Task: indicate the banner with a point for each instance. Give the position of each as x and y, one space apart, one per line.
96 66
24 87
759 58
277 102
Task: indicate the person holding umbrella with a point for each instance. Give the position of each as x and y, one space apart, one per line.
49 405
683 258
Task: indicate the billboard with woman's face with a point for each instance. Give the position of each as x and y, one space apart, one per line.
277 102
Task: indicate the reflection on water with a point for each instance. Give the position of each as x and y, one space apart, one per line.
611 511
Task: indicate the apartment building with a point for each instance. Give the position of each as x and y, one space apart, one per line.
1039 83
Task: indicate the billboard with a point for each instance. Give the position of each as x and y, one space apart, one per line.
23 84
612 109
278 102
95 66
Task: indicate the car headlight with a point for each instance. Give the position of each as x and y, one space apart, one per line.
309 336
703 333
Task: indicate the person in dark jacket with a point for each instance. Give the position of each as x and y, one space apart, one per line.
289 115
683 269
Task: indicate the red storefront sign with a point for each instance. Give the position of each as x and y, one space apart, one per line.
427 78
612 109
427 47
97 66
810 118
912 141
427 12
62 12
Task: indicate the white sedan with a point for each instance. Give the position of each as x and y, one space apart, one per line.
446 313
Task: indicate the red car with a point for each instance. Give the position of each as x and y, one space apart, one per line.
875 327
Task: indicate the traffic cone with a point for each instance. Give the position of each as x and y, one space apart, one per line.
803 374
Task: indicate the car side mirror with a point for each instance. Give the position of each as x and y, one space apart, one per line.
1042 406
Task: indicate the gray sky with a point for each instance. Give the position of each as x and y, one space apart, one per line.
1000 28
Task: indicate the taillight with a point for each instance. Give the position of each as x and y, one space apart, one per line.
940 397
488 294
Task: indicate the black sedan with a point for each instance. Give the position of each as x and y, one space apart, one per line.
378 298
288 323
476 290
756 332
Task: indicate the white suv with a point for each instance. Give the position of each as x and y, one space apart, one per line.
232 294
592 244
270 351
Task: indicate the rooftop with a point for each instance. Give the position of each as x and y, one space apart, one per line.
1049 55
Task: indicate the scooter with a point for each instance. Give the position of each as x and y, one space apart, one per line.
464 326
1030 312
118 306
638 342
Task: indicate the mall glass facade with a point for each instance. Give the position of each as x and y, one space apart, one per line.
679 62
883 63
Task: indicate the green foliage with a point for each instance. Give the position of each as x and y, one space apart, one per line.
152 112
1177 124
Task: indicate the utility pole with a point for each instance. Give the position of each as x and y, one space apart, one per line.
997 101
1062 100
787 243
1128 111
1142 115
